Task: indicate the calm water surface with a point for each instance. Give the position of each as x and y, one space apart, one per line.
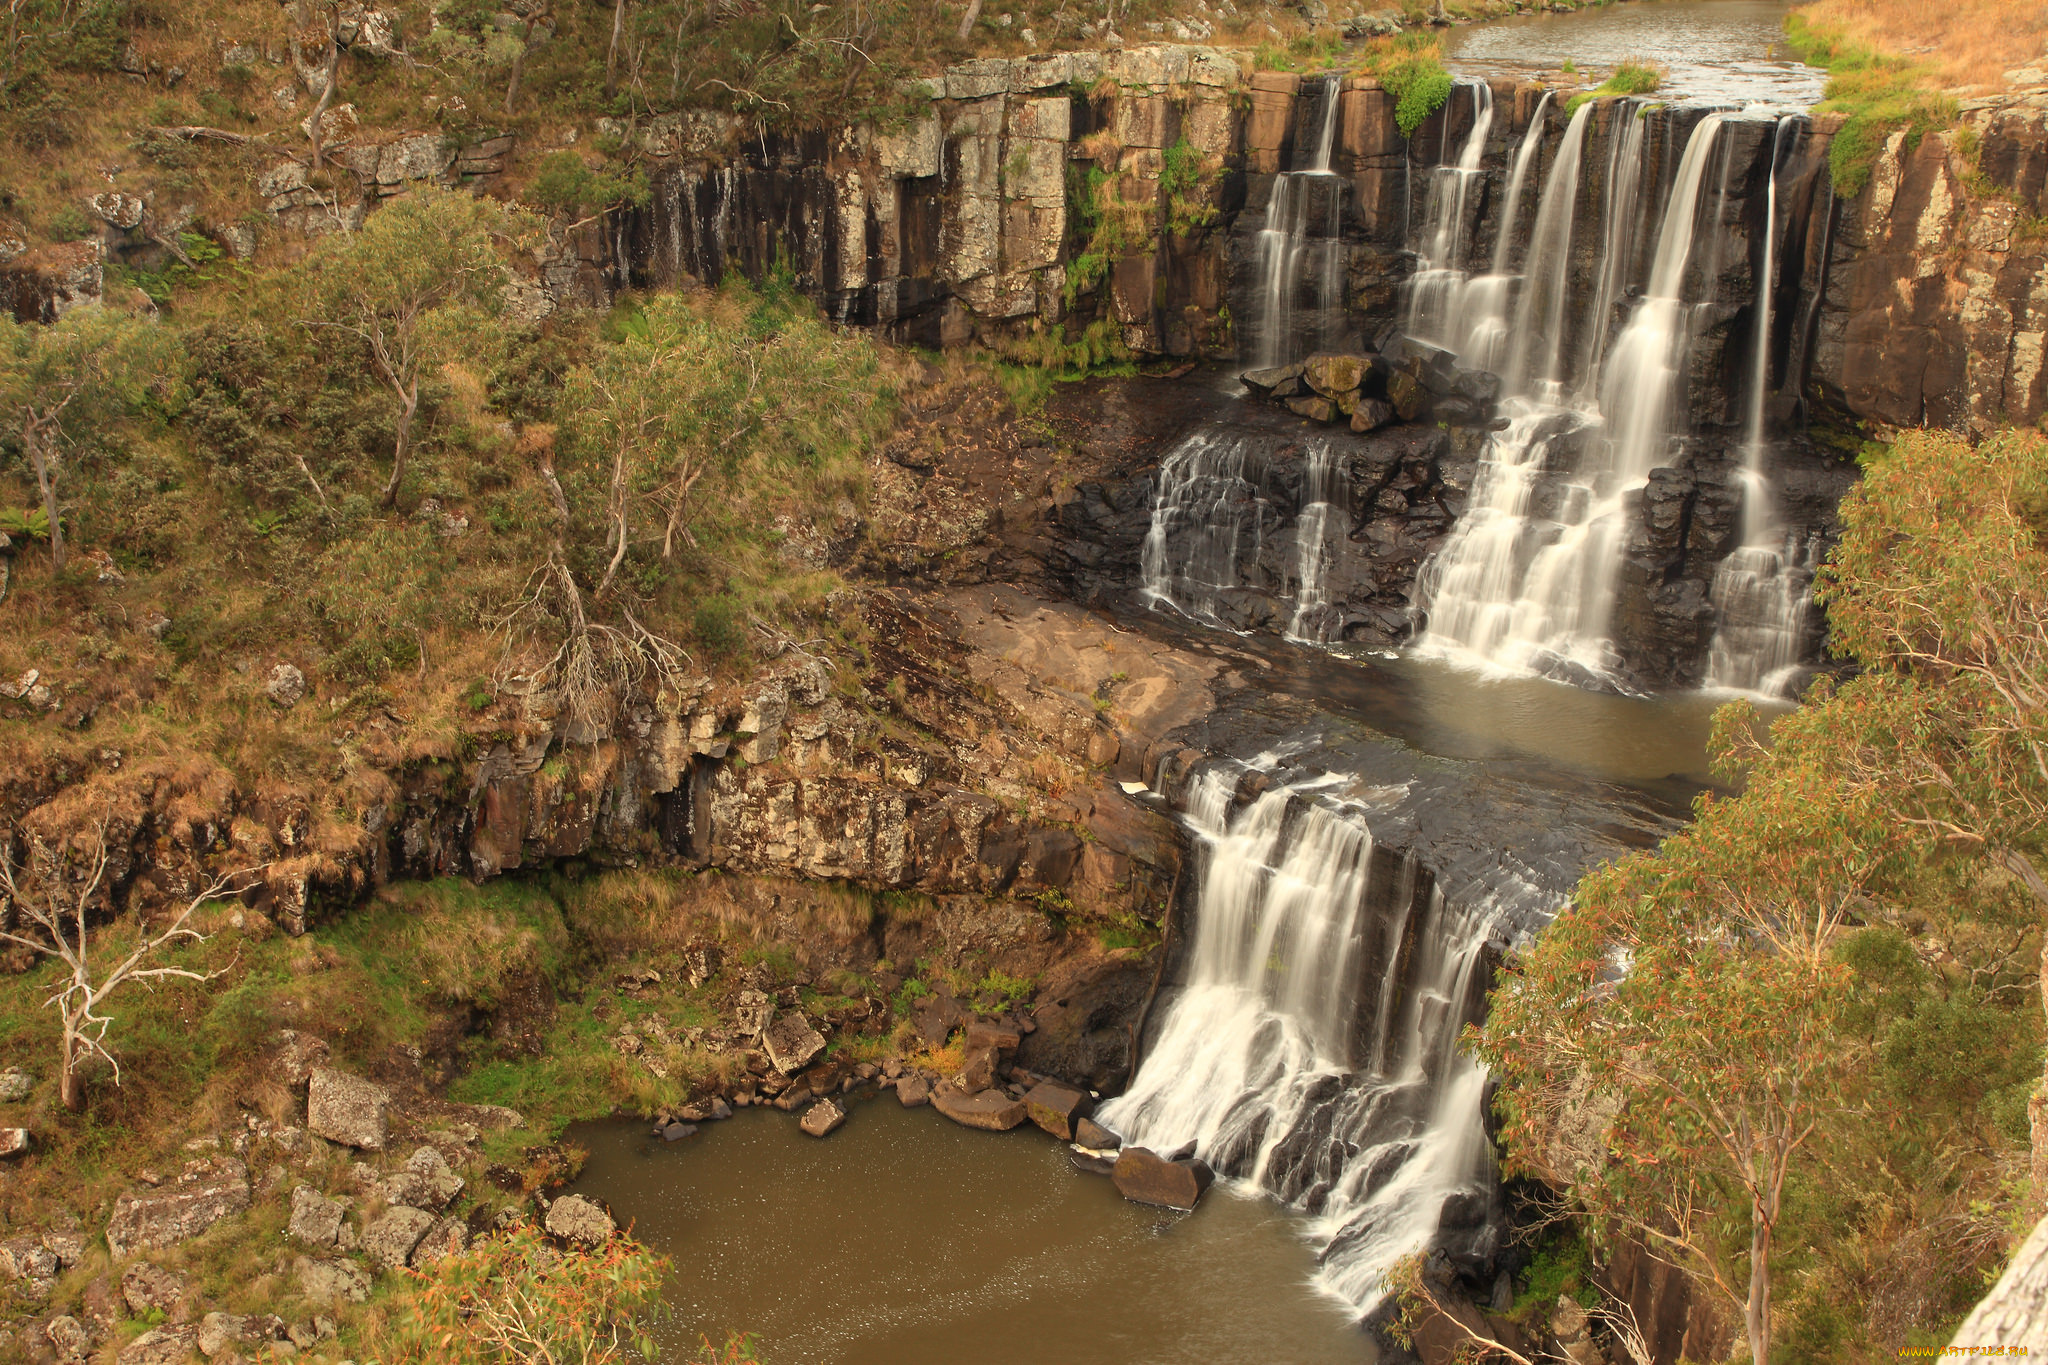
1712 51
906 1240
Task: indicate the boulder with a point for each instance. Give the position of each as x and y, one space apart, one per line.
425 1183
391 1237
26 1258
14 1142
1056 1108
913 1091
221 1333
991 1109
1331 374
1370 414
1095 1137
822 1118
1144 1177
68 1337
161 1346
577 1219
149 1289
792 1043
348 1109
978 1072
1409 398
286 687
206 1194
448 1237
15 1085
676 1132
333 1281
1092 1163
316 1219
1281 381
296 1054
1002 1037
1315 407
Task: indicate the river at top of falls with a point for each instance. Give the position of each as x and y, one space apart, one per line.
1722 52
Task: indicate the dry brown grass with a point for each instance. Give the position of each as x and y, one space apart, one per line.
1966 46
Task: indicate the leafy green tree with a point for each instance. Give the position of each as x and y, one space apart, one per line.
62 384
1724 998
419 284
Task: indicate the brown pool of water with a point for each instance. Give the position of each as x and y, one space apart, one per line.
903 1238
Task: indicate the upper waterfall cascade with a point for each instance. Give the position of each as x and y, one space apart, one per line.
1526 581
1300 248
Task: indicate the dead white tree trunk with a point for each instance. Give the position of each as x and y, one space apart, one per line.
50 920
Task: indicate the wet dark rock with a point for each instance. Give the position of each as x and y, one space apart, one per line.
991 1109
676 1132
1094 1136
1056 1108
1281 381
1144 1177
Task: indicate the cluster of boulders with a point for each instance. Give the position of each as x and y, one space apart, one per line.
353 1208
1411 381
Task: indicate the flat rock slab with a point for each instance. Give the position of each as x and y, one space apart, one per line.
162 1346
792 1043
1057 1108
822 1118
991 1109
332 1281
1145 1177
1002 1037
348 1109
210 1193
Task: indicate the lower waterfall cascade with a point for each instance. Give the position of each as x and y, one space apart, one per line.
1314 1051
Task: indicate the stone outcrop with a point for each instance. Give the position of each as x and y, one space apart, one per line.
991 1110
577 1219
348 1109
1145 1177
205 1193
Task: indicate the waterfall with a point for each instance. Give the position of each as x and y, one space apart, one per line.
1208 518
1436 292
1313 622
1539 311
1624 175
1760 592
1486 296
1254 1060
1526 579
1300 248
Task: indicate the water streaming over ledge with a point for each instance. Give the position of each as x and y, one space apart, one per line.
1526 581
1761 591
1300 250
1314 1050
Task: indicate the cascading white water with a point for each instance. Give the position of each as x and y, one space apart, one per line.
1436 292
1300 248
1762 590
1312 621
1539 308
1253 1061
1526 580
1485 303
1619 216
1207 519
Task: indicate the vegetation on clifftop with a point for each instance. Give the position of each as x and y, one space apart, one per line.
1808 1031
